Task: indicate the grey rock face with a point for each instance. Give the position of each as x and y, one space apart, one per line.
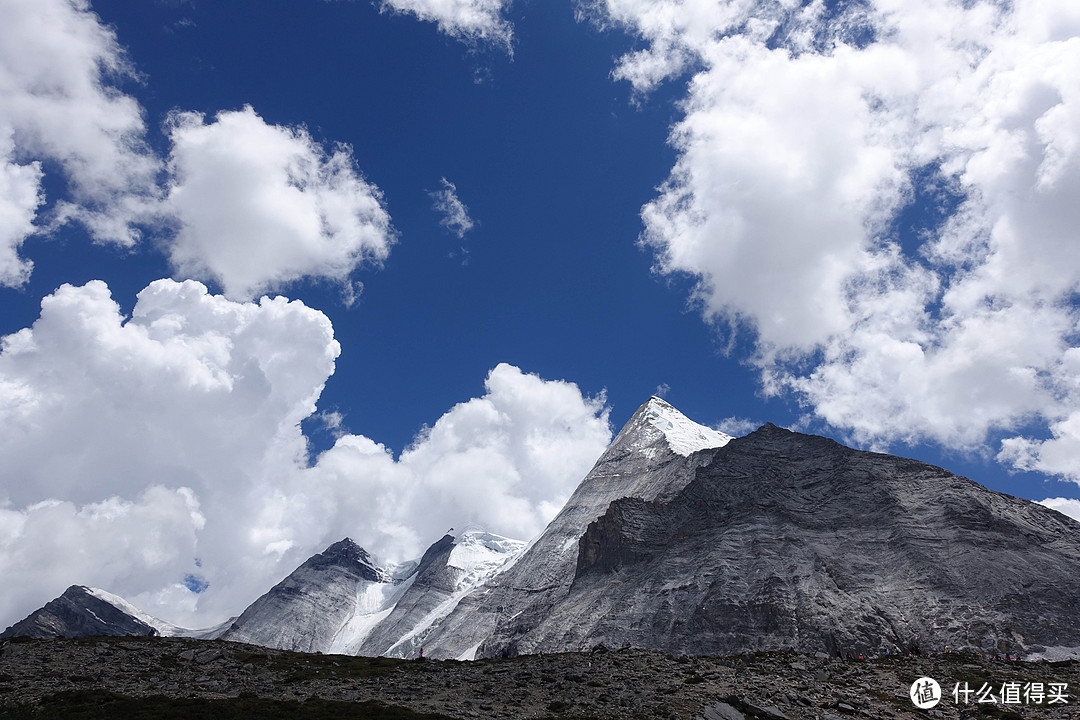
790 541
78 613
308 609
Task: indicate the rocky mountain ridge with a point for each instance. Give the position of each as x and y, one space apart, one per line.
652 458
308 609
85 611
685 540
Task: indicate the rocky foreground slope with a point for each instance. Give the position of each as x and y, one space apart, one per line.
100 677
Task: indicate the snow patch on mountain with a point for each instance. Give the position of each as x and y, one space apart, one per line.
482 555
470 654
374 602
163 628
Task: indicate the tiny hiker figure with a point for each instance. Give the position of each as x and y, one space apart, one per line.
421 652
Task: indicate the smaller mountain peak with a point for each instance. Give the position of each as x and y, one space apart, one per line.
347 553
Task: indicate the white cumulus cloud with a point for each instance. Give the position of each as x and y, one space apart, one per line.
807 133
259 205
140 450
254 205
468 20
59 102
507 461
49 545
191 388
20 196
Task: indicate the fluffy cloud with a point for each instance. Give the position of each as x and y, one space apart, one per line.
679 33
811 141
191 389
254 205
140 451
52 544
58 103
20 196
469 20
455 216
506 461
259 205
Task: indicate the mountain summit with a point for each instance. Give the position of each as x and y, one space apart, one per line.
79 612
682 435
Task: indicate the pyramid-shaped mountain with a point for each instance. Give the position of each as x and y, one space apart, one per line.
785 540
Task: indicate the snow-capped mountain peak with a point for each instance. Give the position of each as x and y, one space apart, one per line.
346 552
83 611
683 435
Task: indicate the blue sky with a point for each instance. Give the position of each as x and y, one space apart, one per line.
833 218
